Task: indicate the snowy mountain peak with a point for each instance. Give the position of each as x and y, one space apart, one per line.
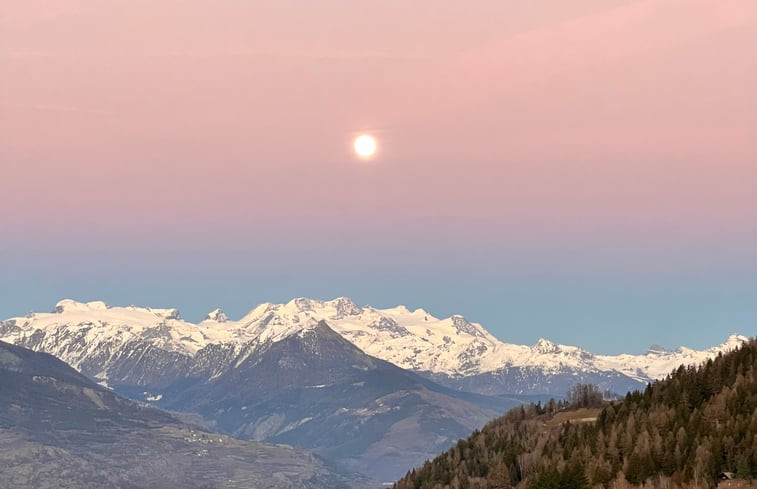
217 315
421 312
302 304
733 341
70 305
413 340
259 311
172 313
462 326
545 346
657 350
345 306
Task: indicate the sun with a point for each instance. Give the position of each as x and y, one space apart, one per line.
365 146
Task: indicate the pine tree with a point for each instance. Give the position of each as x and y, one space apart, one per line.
499 475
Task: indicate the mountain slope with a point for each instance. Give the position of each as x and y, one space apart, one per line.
131 344
316 390
60 430
680 432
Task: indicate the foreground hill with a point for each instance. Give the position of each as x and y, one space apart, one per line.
682 431
60 430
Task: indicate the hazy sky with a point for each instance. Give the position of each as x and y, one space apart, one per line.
584 171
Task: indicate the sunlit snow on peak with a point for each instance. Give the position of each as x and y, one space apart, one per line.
410 339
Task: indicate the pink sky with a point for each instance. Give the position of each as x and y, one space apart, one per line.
223 109
516 137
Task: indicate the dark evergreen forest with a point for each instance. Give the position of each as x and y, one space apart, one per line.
688 430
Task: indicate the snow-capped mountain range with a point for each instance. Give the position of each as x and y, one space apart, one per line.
375 390
90 336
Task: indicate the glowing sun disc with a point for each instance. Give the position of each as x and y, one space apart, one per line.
365 146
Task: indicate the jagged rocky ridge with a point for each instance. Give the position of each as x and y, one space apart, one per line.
132 344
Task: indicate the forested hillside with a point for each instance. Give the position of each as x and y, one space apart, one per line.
685 431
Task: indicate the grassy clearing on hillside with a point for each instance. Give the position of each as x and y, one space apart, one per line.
583 415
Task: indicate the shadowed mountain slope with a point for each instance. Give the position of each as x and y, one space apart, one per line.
316 390
60 430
